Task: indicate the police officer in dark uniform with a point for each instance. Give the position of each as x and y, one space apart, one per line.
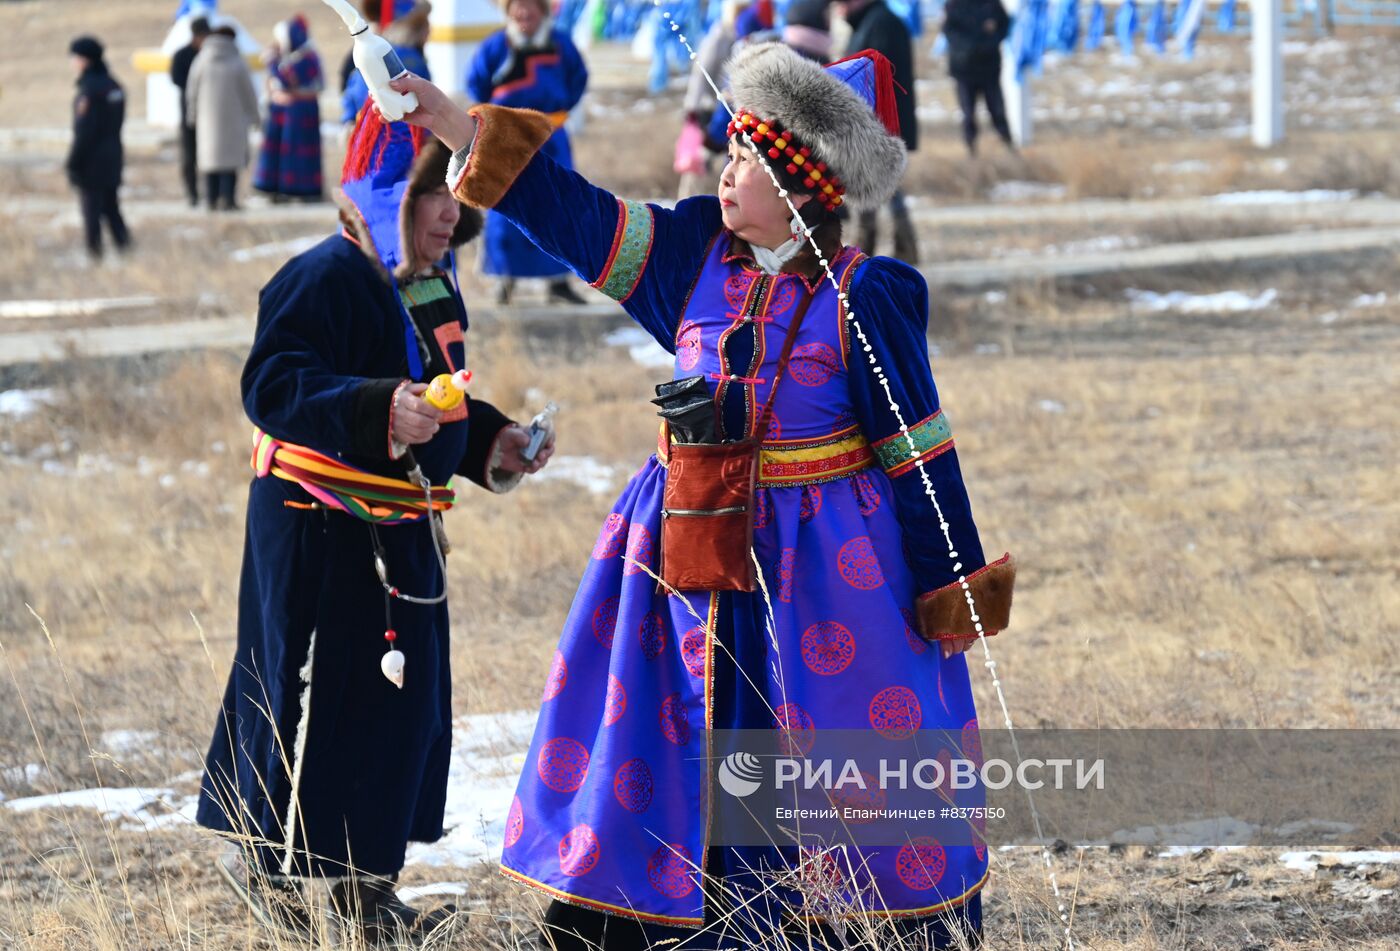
95 159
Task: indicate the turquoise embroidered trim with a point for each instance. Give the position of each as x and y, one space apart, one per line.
424 292
630 250
929 436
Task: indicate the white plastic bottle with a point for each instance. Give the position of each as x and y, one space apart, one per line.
377 63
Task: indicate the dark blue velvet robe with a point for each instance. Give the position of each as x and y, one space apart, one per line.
371 769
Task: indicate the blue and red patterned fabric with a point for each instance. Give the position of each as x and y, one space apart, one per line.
289 161
549 79
612 809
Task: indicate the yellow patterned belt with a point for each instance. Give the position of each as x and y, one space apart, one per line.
800 461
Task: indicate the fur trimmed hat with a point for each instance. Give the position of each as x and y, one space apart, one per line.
837 125
387 166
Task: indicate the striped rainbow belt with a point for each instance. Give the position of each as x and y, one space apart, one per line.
801 461
343 487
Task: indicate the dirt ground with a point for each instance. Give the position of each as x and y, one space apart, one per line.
1202 495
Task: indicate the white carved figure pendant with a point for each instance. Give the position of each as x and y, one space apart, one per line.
392 666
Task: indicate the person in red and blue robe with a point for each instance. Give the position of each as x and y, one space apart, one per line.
528 65
289 161
873 577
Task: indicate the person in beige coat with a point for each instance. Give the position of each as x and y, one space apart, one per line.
221 106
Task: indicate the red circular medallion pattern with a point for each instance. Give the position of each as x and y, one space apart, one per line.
612 538
853 797
916 643
921 863
653 635
867 496
578 851
604 621
675 724
693 651
785 563
563 764
616 703
812 364
632 785
811 503
895 713
515 822
762 509
688 346
858 565
828 648
797 731
558 677
638 549
670 870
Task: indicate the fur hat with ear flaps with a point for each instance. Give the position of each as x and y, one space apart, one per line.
387 167
835 127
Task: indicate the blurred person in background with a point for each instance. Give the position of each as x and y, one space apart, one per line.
975 30
703 140
289 161
874 26
180 65
95 158
404 23
529 65
807 29
222 106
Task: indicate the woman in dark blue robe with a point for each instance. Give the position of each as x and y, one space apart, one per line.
324 766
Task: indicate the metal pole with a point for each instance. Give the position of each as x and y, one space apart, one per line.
1267 45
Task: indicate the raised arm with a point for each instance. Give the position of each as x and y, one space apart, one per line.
641 255
891 305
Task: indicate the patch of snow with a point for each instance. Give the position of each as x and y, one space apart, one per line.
995 297
1364 300
37 309
21 403
987 348
135 808
1310 861
1182 302
29 773
641 347
488 752
1050 406
586 471
415 892
1328 318
1275 197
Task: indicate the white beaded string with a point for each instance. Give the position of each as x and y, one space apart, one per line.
943 524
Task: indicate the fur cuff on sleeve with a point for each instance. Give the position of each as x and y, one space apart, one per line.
498 480
506 140
944 613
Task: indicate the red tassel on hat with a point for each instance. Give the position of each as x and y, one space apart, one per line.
886 110
359 154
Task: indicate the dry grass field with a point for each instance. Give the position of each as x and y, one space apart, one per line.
1204 499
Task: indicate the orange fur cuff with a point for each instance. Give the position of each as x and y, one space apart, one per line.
945 613
506 140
